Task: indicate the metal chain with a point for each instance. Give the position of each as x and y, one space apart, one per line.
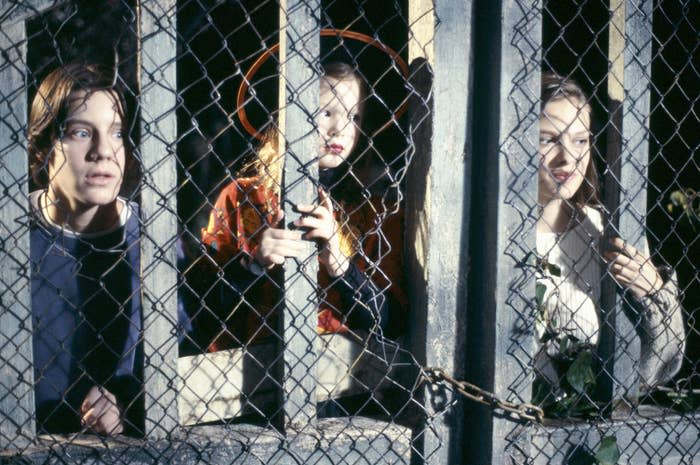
522 411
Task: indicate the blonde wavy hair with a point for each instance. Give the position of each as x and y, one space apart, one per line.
267 164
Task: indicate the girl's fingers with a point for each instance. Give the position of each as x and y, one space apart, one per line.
288 248
314 211
641 279
318 234
617 258
274 259
282 234
627 249
312 222
277 216
325 199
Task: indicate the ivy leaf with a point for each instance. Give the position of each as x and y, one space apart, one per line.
530 259
540 289
679 199
580 374
553 269
608 453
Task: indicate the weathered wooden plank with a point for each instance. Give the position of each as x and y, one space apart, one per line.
502 291
438 207
158 209
17 426
640 440
633 172
299 332
12 12
626 186
337 441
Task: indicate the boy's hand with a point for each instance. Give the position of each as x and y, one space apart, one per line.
278 244
99 412
322 226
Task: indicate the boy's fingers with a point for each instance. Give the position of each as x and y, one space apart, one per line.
87 419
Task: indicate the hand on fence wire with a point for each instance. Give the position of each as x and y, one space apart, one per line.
276 245
632 269
321 225
100 413
522 411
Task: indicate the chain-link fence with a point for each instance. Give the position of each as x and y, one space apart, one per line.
587 231
337 238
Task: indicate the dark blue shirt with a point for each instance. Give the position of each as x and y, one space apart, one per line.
86 308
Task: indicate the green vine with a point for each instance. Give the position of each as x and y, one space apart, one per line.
573 361
688 202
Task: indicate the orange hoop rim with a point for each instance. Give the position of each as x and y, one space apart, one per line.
245 84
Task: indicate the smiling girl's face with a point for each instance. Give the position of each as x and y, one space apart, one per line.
339 119
564 148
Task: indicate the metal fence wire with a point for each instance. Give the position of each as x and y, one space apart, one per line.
310 232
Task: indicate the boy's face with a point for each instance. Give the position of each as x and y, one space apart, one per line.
87 165
339 120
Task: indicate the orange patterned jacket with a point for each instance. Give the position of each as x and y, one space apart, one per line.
372 289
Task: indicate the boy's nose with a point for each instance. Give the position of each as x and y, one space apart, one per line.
102 148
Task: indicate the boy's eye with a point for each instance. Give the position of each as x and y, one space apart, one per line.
80 133
546 140
581 141
355 118
326 113
119 134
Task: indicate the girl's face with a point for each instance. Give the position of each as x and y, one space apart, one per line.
339 120
87 164
564 149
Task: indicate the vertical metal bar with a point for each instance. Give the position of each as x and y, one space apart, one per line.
438 206
158 260
300 318
17 426
502 290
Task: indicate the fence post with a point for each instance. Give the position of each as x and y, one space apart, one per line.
16 350
625 196
299 51
437 208
158 213
500 322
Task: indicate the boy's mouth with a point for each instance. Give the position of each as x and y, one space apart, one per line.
99 178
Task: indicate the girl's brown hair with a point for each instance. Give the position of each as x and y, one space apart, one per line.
556 87
51 106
